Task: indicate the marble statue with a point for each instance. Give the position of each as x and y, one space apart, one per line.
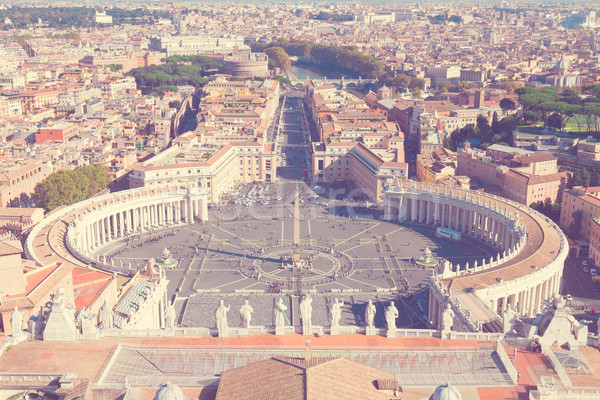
246 314
336 313
391 313
88 328
80 317
106 316
170 317
447 319
306 314
16 323
60 325
280 309
221 317
370 314
507 320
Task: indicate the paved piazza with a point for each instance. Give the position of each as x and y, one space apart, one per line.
238 253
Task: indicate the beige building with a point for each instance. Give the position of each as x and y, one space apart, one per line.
22 178
525 178
436 165
37 99
217 167
354 162
584 200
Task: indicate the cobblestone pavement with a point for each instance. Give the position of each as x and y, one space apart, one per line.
240 258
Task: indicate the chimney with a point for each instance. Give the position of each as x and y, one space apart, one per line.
307 355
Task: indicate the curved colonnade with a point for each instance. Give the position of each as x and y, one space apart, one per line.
531 248
73 233
526 271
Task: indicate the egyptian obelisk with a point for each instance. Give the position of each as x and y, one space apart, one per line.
296 257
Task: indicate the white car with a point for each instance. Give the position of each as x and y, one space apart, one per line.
568 297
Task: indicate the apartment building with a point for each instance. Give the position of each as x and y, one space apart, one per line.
523 178
217 167
22 178
354 162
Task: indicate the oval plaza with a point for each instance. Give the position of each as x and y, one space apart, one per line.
521 268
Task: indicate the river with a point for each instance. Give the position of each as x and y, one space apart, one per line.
313 72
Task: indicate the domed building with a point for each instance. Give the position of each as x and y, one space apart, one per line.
169 392
446 392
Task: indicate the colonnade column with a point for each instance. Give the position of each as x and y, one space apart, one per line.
122 223
190 211
443 221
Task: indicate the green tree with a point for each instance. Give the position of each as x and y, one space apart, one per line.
510 87
507 104
115 67
66 187
463 86
280 57
482 123
575 226
416 92
495 123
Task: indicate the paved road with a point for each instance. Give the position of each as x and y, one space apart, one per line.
294 149
578 284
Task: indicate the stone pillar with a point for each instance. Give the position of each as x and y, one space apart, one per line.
190 211
486 227
413 209
204 207
443 222
95 234
436 213
143 218
88 239
122 223
545 289
113 230
456 219
387 214
538 298
469 222
532 301
134 219
130 220
430 206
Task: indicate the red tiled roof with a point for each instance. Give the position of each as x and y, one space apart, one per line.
293 378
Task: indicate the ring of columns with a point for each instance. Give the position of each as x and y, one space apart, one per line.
526 270
531 248
73 234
